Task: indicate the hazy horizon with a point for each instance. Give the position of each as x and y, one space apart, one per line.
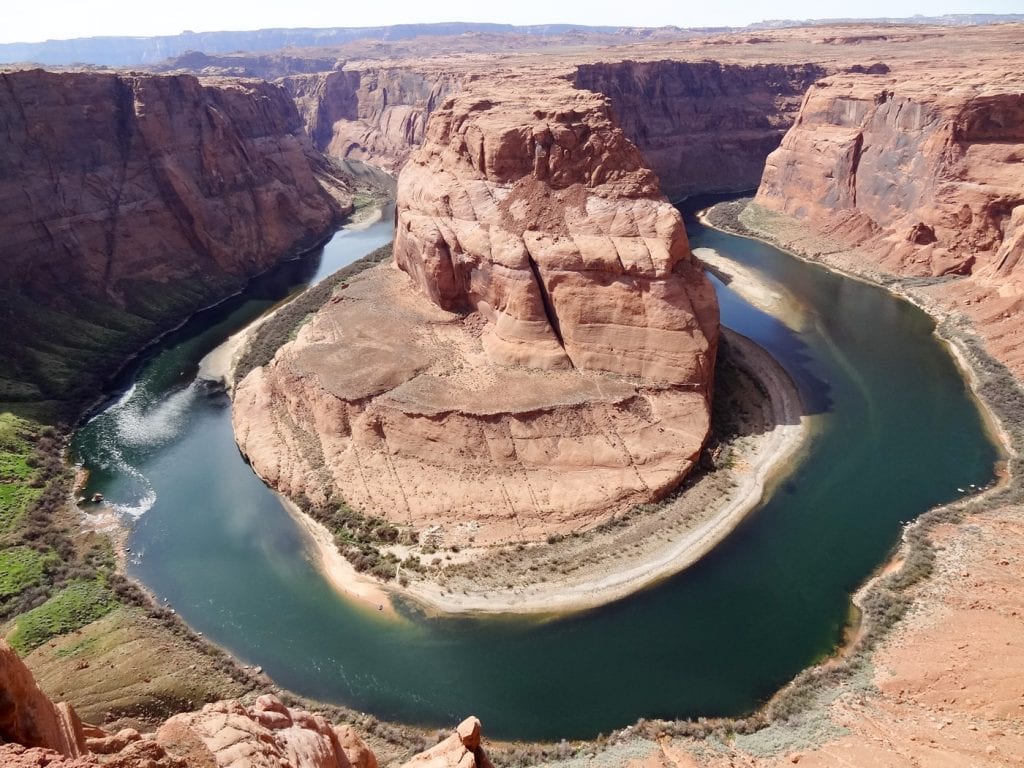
69 19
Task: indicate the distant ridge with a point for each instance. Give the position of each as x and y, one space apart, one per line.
145 51
131 51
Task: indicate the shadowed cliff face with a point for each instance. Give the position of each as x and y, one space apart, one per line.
373 115
702 126
127 202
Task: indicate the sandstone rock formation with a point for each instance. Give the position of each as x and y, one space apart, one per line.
547 361
376 114
921 172
35 732
126 202
28 717
702 126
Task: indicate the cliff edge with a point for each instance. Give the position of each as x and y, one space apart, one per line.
128 202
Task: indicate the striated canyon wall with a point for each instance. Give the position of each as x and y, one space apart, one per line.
702 126
923 174
375 115
127 202
543 360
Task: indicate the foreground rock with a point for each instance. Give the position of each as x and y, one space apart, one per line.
544 361
127 202
28 717
35 732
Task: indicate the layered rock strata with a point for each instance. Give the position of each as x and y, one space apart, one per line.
376 115
542 360
127 201
703 126
923 175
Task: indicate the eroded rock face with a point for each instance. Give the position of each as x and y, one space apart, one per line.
703 126
28 717
544 361
922 174
127 201
35 732
375 115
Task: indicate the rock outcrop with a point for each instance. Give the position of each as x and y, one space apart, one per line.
546 360
28 717
921 173
35 732
128 201
702 126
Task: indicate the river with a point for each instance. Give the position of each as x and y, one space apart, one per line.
897 432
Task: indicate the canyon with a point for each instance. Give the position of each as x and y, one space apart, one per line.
919 178
128 202
524 200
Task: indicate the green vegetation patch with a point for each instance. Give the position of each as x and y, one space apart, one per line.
78 604
20 568
14 502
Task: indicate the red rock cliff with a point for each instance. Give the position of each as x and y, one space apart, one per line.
35 732
145 196
922 174
544 362
702 126
376 115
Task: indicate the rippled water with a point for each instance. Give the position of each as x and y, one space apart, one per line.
899 432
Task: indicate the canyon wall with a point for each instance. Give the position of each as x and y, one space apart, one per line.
375 115
923 174
543 360
702 126
127 202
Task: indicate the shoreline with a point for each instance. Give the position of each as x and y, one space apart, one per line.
969 370
775 453
340 573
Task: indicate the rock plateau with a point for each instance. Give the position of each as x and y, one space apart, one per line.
543 355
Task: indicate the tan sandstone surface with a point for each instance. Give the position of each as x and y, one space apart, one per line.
542 360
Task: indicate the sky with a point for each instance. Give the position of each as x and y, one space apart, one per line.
61 19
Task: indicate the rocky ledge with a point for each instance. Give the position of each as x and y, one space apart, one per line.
542 356
35 732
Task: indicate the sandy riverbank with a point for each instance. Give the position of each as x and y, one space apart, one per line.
652 546
338 571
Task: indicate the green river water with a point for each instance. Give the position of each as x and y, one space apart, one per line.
897 433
